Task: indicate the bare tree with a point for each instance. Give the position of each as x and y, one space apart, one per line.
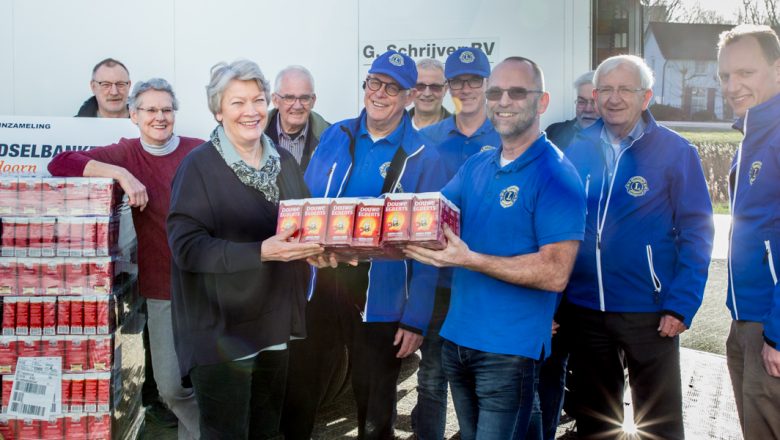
676 11
760 12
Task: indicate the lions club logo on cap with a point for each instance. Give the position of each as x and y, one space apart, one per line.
467 57
637 186
396 59
383 169
755 167
508 196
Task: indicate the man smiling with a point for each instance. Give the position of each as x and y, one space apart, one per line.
110 86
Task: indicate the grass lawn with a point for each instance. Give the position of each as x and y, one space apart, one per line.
712 137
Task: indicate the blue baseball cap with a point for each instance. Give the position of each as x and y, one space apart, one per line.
467 61
398 66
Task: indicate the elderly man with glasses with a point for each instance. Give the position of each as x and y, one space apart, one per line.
431 88
641 269
384 320
562 133
110 86
292 124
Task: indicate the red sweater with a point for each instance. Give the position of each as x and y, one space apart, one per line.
156 173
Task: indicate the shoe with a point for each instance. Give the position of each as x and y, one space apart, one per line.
160 415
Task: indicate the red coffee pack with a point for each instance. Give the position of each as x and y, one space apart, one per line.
48 236
22 316
100 353
76 426
368 223
8 237
76 276
101 275
76 315
77 384
53 428
99 426
430 211
28 275
8 385
396 223
7 427
21 236
104 391
28 195
315 220
53 276
76 237
89 237
290 217
8 282
341 221
53 196
34 236
49 315
8 188
28 429
8 354
53 346
36 316
105 316
29 346
63 315
102 198
9 316
90 392
90 314
104 228
76 354
77 196
67 381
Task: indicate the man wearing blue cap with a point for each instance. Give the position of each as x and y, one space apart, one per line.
384 320
457 138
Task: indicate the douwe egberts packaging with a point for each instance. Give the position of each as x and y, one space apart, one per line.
396 221
430 212
315 220
290 217
341 219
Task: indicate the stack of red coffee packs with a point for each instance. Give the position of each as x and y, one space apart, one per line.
368 228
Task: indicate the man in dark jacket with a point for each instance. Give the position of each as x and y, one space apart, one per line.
110 86
562 133
292 124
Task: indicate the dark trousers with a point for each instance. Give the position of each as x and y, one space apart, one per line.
375 371
241 399
604 344
552 374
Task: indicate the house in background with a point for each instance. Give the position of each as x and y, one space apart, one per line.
684 58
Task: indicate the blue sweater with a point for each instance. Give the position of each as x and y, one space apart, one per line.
649 230
754 254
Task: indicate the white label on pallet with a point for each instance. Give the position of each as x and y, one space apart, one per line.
37 389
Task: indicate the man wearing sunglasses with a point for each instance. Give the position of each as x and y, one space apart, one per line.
457 138
378 311
522 214
585 114
641 269
292 124
110 86
431 88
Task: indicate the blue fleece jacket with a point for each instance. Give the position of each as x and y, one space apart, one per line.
754 252
400 291
649 229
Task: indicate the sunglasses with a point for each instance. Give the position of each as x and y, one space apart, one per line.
515 93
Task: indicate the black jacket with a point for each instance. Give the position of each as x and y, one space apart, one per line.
89 109
562 133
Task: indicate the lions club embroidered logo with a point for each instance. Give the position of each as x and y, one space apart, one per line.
466 57
396 60
487 148
383 169
508 196
755 167
637 186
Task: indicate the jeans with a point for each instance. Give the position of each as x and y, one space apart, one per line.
241 399
180 400
493 393
429 416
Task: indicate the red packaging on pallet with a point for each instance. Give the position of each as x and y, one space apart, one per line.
8 354
28 429
76 239
101 275
89 238
8 237
101 196
29 346
106 232
290 217
7 427
77 384
8 285
104 391
105 315
48 237
63 315
341 219
99 426
397 219
76 427
49 315
315 220
21 236
8 188
90 392
77 196
53 276
28 275
67 381
34 237
9 316
22 316
100 351
76 315
62 234
76 355
76 276
53 346
90 314
53 197
36 316
8 386
28 196
53 429
368 223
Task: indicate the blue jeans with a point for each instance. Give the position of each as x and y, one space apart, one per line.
493 393
429 416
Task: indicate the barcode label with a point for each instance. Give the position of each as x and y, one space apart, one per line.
30 387
30 410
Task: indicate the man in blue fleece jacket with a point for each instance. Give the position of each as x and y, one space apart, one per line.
749 70
640 272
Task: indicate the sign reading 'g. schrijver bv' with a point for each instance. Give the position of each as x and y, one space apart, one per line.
439 48
28 143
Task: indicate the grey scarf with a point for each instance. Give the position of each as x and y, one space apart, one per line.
264 179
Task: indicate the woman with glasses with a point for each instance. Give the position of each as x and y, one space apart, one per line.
238 291
144 167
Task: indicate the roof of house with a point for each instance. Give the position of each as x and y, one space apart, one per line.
687 41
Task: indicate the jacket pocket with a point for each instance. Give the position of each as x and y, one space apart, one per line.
653 277
770 260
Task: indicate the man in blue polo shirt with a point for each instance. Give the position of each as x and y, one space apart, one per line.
456 138
523 215
385 319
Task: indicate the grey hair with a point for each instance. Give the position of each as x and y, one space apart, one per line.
585 78
646 77
293 69
152 84
221 75
430 63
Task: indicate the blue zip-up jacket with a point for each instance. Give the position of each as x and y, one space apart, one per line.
754 251
400 291
649 229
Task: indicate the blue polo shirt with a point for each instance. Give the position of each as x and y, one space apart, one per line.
372 160
455 147
535 200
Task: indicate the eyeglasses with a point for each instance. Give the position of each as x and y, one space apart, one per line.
106 85
435 88
515 93
584 102
152 111
457 84
623 92
373 84
290 99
